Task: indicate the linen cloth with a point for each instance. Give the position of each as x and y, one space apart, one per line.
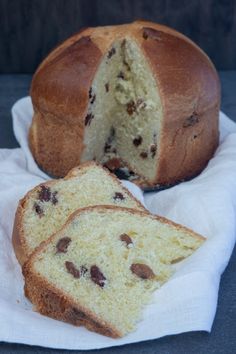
187 302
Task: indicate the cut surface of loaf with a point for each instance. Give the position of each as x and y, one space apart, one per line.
46 208
141 97
126 106
101 268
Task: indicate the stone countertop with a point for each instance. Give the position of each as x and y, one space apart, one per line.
222 339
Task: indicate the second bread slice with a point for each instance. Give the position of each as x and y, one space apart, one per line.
45 208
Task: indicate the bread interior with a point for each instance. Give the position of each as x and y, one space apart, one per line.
125 112
95 240
89 186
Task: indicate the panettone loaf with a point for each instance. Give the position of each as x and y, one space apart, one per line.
46 208
103 265
141 96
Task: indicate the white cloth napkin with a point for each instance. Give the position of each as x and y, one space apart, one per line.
207 204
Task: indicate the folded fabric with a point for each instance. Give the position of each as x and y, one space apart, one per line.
207 204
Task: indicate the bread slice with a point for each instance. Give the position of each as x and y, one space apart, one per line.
103 265
45 208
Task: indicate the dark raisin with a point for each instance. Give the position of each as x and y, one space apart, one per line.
44 194
96 276
71 268
121 75
92 96
54 198
113 164
153 149
118 196
131 107
107 87
63 244
195 136
125 238
138 140
93 99
107 147
88 118
142 271
38 209
83 270
190 121
143 154
111 52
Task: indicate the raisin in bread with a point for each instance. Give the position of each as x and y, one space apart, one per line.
139 96
102 267
45 208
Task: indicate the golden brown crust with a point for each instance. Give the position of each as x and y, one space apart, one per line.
66 144
188 86
18 243
63 45
141 213
54 303
22 252
69 73
56 134
190 95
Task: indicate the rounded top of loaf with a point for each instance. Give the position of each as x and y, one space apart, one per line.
185 76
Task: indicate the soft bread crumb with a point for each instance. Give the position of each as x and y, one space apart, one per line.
126 110
89 185
125 277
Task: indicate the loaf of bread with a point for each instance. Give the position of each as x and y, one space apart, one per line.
139 96
102 267
46 208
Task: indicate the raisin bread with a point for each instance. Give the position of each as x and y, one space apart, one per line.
46 208
102 267
139 96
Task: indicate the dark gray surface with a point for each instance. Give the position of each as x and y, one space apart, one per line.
222 339
29 29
